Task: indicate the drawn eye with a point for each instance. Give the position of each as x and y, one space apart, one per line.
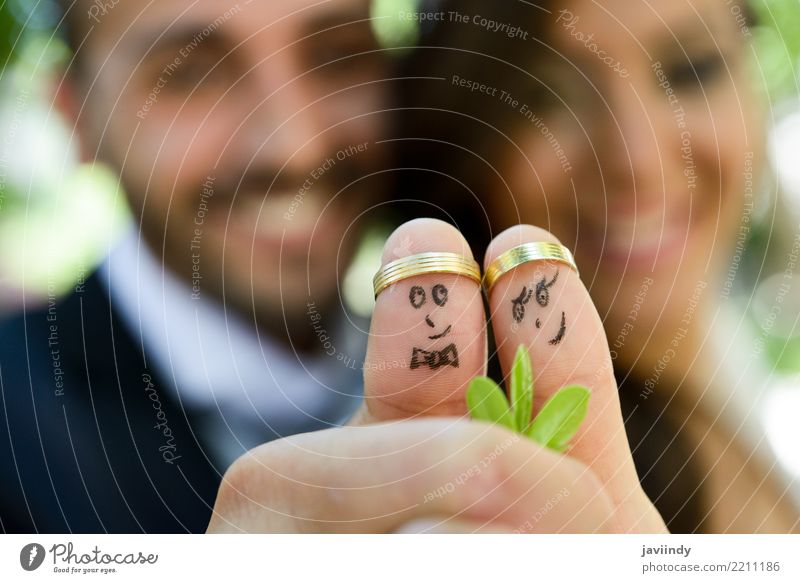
416 296
543 297
543 290
439 293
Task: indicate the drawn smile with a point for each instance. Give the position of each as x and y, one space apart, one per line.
430 323
442 335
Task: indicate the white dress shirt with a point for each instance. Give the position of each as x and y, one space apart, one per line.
248 387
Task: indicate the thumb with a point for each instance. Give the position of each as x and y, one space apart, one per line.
544 306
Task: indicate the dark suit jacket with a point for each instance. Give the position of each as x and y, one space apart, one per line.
91 440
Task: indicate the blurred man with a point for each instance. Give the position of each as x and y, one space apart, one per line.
243 134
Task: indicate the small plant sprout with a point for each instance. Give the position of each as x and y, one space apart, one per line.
556 423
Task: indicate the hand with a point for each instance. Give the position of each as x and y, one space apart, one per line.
449 474
437 475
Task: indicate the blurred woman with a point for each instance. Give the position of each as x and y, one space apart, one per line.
633 132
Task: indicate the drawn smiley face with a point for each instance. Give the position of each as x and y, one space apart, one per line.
542 295
418 298
432 359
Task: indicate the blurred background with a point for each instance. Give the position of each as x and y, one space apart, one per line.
58 216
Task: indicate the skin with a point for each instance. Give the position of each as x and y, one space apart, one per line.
396 469
258 105
385 478
626 206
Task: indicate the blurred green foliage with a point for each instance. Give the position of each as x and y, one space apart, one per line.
57 217
20 22
9 32
778 45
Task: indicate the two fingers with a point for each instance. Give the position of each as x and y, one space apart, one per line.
428 339
441 475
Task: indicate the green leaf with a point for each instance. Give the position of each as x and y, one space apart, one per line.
487 402
560 418
521 389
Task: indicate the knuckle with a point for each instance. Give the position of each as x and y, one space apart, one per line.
486 470
238 474
584 485
502 474
234 482
584 482
242 482
588 497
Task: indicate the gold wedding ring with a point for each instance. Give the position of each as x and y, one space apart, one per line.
422 263
524 254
